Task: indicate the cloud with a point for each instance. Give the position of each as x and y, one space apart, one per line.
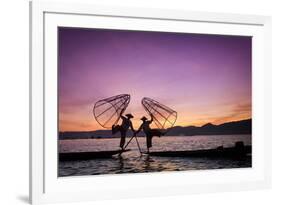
73 125
238 112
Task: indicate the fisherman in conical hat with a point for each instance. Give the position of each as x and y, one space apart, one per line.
123 128
149 133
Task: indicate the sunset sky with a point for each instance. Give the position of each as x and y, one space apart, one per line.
205 78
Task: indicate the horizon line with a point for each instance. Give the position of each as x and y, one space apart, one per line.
173 126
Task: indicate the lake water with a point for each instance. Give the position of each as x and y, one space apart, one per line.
133 162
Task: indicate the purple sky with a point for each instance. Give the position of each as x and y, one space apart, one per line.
205 78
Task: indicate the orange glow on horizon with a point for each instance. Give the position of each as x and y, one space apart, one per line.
81 118
91 124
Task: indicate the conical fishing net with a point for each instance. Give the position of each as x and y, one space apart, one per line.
107 111
163 116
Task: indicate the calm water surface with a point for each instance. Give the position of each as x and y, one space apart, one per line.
133 162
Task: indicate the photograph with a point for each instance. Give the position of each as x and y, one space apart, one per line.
134 101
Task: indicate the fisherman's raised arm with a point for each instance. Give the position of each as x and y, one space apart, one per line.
151 120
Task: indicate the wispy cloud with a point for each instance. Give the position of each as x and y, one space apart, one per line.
238 112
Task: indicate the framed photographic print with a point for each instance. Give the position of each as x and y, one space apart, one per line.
129 102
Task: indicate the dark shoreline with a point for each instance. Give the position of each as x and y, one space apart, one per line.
108 138
230 128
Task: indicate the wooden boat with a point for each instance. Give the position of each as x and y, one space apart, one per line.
238 151
72 156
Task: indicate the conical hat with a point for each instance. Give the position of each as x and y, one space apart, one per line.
144 118
129 115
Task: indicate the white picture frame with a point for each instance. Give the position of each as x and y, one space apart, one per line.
46 187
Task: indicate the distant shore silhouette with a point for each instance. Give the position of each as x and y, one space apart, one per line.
237 127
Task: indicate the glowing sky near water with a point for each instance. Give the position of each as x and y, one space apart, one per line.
205 78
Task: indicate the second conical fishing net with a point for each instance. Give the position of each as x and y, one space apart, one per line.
107 111
163 116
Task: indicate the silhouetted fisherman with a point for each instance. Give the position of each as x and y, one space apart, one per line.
123 128
145 126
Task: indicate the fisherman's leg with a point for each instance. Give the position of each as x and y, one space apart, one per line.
148 142
123 139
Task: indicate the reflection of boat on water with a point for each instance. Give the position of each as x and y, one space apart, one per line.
72 156
238 151
96 137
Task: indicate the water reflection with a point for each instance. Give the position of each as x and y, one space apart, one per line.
133 162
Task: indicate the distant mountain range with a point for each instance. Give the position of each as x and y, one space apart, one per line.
237 127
